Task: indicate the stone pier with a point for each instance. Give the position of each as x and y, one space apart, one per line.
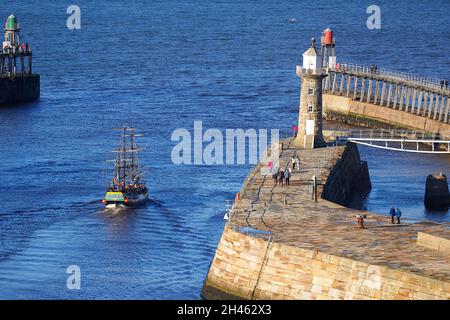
281 244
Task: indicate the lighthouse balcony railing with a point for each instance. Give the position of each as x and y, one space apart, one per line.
301 70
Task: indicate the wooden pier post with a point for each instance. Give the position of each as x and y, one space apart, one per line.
389 98
419 102
430 106
369 92
447 109
383 93
355 88
363 87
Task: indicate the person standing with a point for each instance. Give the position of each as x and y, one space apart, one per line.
297 163
295 130
281 177
392 214
398 214
293 162
287 175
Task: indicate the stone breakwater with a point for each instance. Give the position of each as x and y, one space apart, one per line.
280 244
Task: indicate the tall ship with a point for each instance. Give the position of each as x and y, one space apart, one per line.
127 187
17 82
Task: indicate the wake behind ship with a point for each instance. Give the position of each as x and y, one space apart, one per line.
17 82
127 186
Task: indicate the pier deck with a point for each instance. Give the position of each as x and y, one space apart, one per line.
295 220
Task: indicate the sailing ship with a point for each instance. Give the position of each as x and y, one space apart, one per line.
127 187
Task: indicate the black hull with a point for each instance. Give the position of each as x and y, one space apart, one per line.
19 89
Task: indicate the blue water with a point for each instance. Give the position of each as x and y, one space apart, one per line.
164 64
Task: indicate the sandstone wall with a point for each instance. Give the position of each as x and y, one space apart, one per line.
250 268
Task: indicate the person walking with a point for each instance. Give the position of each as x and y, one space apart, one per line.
287 175
293 162
275 177
392 213
281 177
398 214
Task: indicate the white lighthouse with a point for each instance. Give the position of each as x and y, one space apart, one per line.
312 60
310 113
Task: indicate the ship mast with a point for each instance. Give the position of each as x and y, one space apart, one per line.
133 164
124 146
126 162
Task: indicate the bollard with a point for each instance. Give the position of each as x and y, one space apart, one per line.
360 221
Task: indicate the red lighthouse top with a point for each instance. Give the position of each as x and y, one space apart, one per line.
327 37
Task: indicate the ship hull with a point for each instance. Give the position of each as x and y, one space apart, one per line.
131 202
19 89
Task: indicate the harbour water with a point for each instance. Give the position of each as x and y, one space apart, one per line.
164 64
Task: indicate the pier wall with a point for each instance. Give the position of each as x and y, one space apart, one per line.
247 267
365 114
348 179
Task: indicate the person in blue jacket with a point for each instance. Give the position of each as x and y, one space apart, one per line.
392 214
398 214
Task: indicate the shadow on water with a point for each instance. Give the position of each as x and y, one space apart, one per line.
435 213
24 105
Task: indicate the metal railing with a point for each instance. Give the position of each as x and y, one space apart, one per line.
393 75
250 231
400 140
